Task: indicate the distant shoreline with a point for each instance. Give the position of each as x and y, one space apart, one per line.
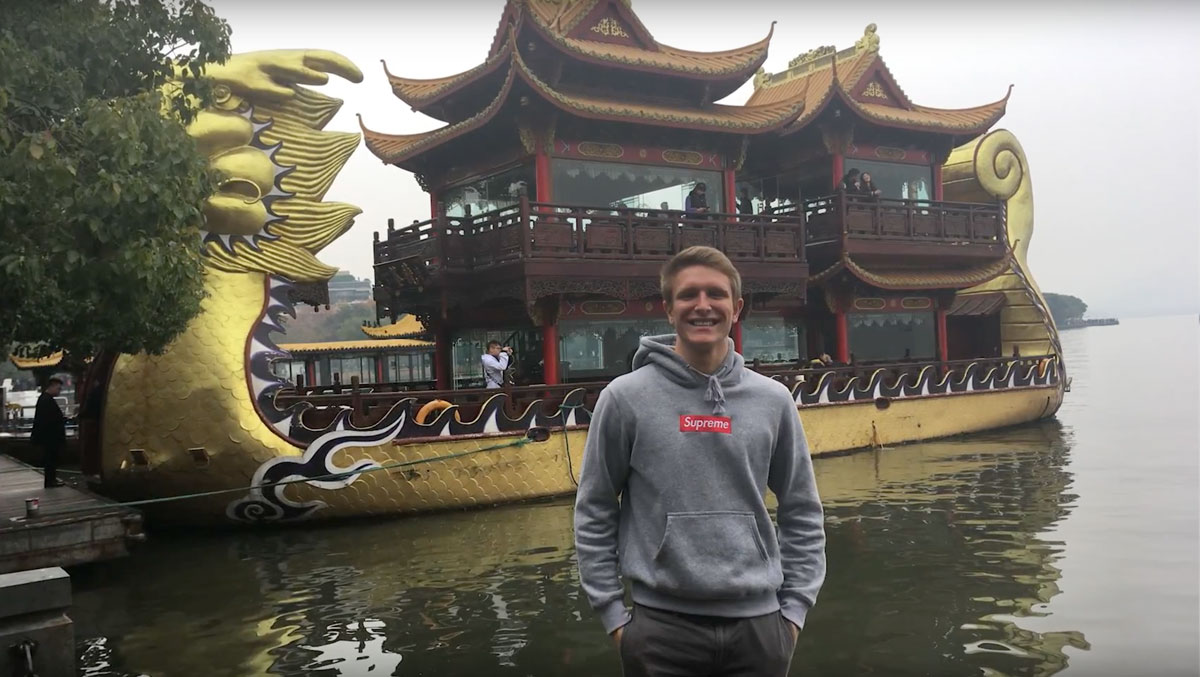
1079 323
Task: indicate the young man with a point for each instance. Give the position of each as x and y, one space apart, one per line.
679 455
495 361
49 430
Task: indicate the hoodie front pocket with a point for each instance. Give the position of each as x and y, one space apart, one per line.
713 555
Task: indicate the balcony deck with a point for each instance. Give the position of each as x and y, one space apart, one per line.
576 234
882 228
557 243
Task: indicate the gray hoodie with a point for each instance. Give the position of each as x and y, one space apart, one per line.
671 494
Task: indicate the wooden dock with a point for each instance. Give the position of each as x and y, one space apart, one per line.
74 526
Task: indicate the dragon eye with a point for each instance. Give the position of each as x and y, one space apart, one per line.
247 189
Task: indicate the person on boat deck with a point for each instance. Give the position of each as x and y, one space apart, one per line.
696 201
744 204
679 453
851 183
49 430
868 187
495 361
822 362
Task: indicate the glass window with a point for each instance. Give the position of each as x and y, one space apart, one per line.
410 367
890 337
614 184
770 339
346 368
897 181
469 346
288 369
598 349
494 192
779 193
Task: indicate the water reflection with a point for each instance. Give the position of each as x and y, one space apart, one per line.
936 557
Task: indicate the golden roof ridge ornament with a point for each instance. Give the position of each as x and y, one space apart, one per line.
761 76
812 55
869 42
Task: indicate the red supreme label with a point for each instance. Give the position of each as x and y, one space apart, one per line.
705 424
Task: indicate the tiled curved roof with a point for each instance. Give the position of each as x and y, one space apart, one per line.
51 360
740 61
421 93
396 148
959 278
715 117
406 327
817 81
348 346
555 20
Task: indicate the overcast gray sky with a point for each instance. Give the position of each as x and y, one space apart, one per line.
1106 104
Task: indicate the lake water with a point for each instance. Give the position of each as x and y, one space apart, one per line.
1070 545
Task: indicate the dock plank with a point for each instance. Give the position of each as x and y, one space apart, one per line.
75 525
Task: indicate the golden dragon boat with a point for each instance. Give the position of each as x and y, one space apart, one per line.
211 421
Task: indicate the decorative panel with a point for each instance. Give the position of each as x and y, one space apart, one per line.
741 243
602 236
692 236
781 244
652 240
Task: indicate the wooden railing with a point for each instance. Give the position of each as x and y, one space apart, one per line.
833 217
555 232
369 406
790 373
371 401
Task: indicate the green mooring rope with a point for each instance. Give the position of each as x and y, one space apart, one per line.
339 475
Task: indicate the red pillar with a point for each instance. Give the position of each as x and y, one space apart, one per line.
942 345
379 368
843 337
433 204
937 182
550 353
730 192
310 373
541 173
441 359
736 333
839 169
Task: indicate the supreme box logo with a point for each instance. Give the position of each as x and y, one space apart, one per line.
705 424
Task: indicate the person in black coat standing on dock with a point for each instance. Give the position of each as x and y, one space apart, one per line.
49 430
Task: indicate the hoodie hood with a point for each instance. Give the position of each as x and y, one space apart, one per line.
659 352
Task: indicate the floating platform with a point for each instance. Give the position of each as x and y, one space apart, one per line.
74 526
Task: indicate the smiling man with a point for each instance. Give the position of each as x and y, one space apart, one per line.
679 455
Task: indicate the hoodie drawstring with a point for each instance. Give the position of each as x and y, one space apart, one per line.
715 394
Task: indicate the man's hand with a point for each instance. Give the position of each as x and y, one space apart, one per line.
795 630
616 635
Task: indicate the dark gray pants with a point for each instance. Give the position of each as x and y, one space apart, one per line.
659 643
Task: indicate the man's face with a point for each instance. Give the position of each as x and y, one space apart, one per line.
54 389
702 307
494 351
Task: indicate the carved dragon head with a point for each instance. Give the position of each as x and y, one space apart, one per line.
263 137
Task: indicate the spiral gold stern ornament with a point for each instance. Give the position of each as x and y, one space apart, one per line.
990 168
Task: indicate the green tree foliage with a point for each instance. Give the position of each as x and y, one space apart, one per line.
100 185
1064 307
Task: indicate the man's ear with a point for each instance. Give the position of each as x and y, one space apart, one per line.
737 309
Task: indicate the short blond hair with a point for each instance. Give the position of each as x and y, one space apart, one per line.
698 256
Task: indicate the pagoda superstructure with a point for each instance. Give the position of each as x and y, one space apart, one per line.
558 185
